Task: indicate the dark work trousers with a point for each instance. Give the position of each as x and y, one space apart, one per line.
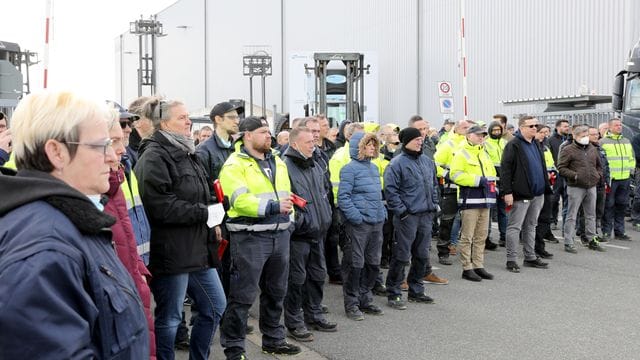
615 206
306 280
259 260
635 209
387 237
544 223
449 206
387 242
558 193
412 243
360 263
332 240
501 212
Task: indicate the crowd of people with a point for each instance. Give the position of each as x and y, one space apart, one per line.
106 209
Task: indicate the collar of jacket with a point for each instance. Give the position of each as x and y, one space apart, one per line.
298 159
613 136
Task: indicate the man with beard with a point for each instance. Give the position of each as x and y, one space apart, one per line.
259 221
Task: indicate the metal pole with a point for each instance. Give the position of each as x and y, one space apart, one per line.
250 95
153 61
323 87
349 96
264 96
361 72
139 65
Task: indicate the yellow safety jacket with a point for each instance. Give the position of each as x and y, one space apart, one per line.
339 159
444 156
468 166
250 191
620 156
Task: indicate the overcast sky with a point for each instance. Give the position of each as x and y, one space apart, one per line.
82 40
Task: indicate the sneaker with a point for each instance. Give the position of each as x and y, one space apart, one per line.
355 314
537 263
324 326
444 260
606 236
397 303
636 227
434 279
490 245
570 249
452 250
379 290
420 298
603 239
584 240
544 254
471 275
281 349
595 245
301 334
513 267
371 309
404 286
502 243
483 273
623 237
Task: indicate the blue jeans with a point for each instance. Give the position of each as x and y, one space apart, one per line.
205 289
455 229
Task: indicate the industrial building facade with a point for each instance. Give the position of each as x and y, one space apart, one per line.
515 49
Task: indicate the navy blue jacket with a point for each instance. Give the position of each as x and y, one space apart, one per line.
360 192
410 184
63 292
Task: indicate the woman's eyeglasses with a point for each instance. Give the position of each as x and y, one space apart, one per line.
96 146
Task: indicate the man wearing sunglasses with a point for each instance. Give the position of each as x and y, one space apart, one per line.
523 183
126 123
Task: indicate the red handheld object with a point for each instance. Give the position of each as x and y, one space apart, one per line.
492 186
552 178
298 201
218 190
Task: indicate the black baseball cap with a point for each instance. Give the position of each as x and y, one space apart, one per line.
250 123
223 108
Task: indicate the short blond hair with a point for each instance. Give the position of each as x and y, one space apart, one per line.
49 115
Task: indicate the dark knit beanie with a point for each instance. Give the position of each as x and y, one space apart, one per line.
408 134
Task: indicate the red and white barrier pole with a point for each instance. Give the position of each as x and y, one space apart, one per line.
464 60
46 42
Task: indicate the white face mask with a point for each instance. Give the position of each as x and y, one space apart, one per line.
583 140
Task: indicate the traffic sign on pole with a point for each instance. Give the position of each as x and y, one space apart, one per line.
446 105
444 88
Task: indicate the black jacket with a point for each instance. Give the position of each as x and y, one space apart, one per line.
212 155
175 195
328 147
555 140
309 182
514 172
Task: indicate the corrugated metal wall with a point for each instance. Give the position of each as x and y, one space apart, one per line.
515 49
525 49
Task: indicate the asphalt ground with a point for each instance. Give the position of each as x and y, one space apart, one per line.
584 306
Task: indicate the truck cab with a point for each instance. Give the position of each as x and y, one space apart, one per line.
626 93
